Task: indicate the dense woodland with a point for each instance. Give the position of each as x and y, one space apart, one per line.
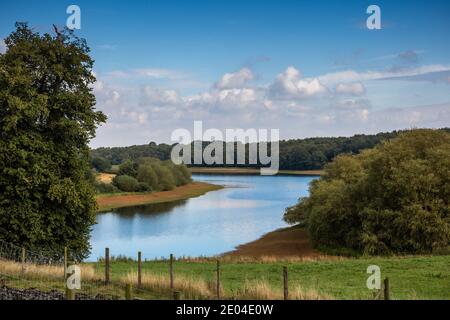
297 154
394 198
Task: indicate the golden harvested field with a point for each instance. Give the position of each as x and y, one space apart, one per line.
105 177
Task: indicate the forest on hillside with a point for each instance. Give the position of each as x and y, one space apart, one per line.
295 154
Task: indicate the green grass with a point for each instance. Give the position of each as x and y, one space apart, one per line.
418 277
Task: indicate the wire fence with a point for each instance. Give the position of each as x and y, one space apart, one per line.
32 275
43 275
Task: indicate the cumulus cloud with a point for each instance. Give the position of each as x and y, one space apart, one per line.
355 88
289 85
235 80
331 104
159 97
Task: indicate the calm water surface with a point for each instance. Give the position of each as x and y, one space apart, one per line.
217 222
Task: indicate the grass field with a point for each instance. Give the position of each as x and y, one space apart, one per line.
415 277
253 171
107 202
412 277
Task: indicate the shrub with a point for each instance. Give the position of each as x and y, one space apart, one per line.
126 183
102 187
166 180
144 187
147 174
128 168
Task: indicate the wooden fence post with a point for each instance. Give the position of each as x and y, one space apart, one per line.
23 260
386 289
171 271
139 269
218 280
106 266
65 263
285 284
128 291
70 294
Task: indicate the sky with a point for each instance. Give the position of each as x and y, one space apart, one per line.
307 68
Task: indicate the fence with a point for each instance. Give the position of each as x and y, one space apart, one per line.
29 275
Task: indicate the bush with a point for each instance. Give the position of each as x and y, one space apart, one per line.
102 187
128 168
166 180
144 187
147 174
390 199
126 183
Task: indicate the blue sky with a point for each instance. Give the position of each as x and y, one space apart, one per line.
309 68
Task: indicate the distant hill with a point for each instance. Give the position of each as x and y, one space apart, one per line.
295 154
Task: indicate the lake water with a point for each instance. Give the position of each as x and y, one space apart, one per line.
216 222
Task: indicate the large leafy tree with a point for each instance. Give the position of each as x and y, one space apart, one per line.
394 198
47 118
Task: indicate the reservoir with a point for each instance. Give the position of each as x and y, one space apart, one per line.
248 207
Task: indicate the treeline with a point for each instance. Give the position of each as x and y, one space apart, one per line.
296 154
146 174
394 198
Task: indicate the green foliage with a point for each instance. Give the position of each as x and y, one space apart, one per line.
144 187
166 181
126 183
296 154
47 119
153 175
147 174
101 164
128 168
102 187
390 199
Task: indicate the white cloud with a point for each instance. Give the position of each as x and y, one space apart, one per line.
151 73
354 76
158 97
289 85
299 106
355 88
235 80
159 73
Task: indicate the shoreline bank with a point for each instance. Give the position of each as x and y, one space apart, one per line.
113 201
290 242
252 171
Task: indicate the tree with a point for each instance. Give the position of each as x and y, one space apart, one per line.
147 175
166 180
101 164
47 118
128 168
394 198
